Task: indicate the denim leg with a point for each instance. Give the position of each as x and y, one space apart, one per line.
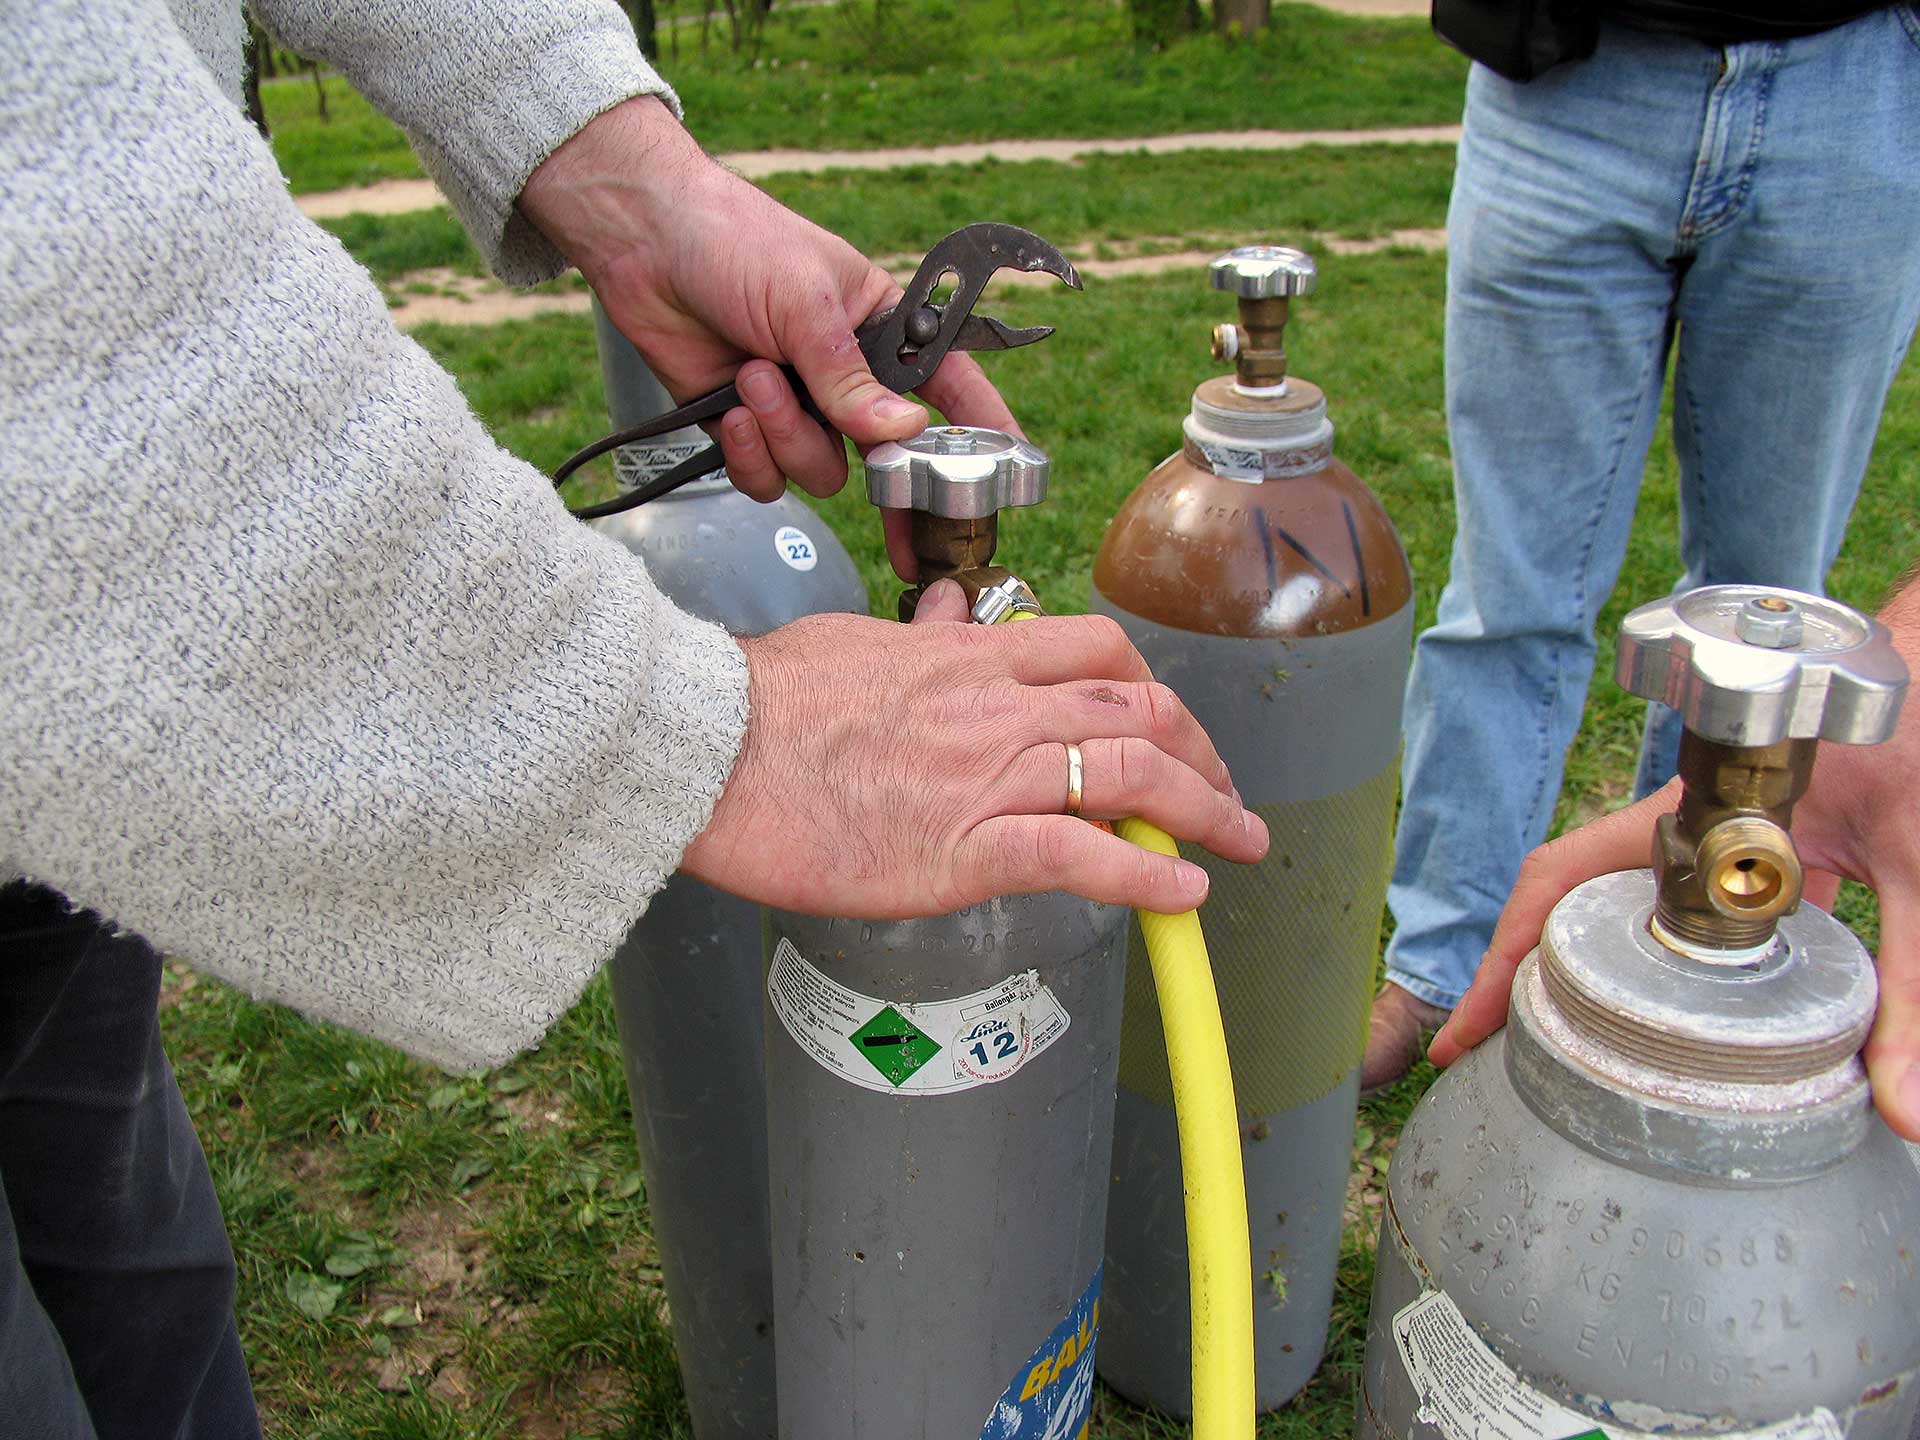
1560 292
1797 308
118 1232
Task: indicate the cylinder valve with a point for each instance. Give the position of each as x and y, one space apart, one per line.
955 480
1266 278
1758 676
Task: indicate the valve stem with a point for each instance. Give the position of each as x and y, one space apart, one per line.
1725 866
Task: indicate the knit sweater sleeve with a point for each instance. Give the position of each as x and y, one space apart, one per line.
485 89
301 676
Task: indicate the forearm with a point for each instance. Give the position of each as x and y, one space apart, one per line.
485 89
305 678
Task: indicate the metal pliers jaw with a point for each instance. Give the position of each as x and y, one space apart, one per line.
903 346
906 344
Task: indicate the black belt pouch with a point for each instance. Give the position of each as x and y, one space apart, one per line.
1519 38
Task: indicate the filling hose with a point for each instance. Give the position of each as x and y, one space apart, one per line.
1219 1252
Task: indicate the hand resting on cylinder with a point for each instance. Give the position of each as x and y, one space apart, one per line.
893 770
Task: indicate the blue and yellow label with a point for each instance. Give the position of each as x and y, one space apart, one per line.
1051 1398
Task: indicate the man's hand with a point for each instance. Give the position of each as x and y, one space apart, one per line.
894 770
713 280
1859 820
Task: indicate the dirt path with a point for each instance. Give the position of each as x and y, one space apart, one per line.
394 197
471 300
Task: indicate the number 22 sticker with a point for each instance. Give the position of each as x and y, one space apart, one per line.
795 547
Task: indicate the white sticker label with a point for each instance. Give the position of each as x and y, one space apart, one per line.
795 546
1470 1393
1251 466
1233 462
938 1048
646 460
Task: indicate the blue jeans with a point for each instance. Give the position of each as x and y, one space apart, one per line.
1755 211
116 1278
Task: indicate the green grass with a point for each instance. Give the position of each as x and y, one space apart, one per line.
979 70
1359 192
491 1235
354 145
988 69
395 245
510 1210
1138 201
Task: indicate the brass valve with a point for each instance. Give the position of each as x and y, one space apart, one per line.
1265 277
954 480
1760 676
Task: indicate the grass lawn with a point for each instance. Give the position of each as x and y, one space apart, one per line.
953 70
1140 201
423 1257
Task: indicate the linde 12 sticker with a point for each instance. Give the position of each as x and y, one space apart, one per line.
1470 1393
938 1048
795 547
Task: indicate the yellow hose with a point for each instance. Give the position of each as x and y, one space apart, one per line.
1219 1251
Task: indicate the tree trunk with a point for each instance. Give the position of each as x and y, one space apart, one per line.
1241 17
1155 22
256 46
645 27
262 44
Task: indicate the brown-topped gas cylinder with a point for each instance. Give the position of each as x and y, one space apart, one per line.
1265 584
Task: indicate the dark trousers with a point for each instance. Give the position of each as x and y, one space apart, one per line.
116 1277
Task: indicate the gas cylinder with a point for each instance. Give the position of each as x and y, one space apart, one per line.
686 980
1659 1201
940 1100
1265 584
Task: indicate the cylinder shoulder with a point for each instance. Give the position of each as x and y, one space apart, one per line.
749 567
1308 554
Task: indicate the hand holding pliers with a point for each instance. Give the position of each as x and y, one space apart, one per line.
903 346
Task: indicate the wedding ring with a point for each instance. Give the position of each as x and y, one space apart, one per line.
1073 778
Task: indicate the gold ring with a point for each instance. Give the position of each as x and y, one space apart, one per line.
1073 777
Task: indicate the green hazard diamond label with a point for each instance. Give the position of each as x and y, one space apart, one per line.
894 1045
947 1047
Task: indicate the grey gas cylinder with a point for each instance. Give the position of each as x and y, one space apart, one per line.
1265 584
940 1101
686 981
939 1116
1659 1202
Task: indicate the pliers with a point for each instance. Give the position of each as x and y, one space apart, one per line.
903 346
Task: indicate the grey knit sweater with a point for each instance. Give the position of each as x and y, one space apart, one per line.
301 676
